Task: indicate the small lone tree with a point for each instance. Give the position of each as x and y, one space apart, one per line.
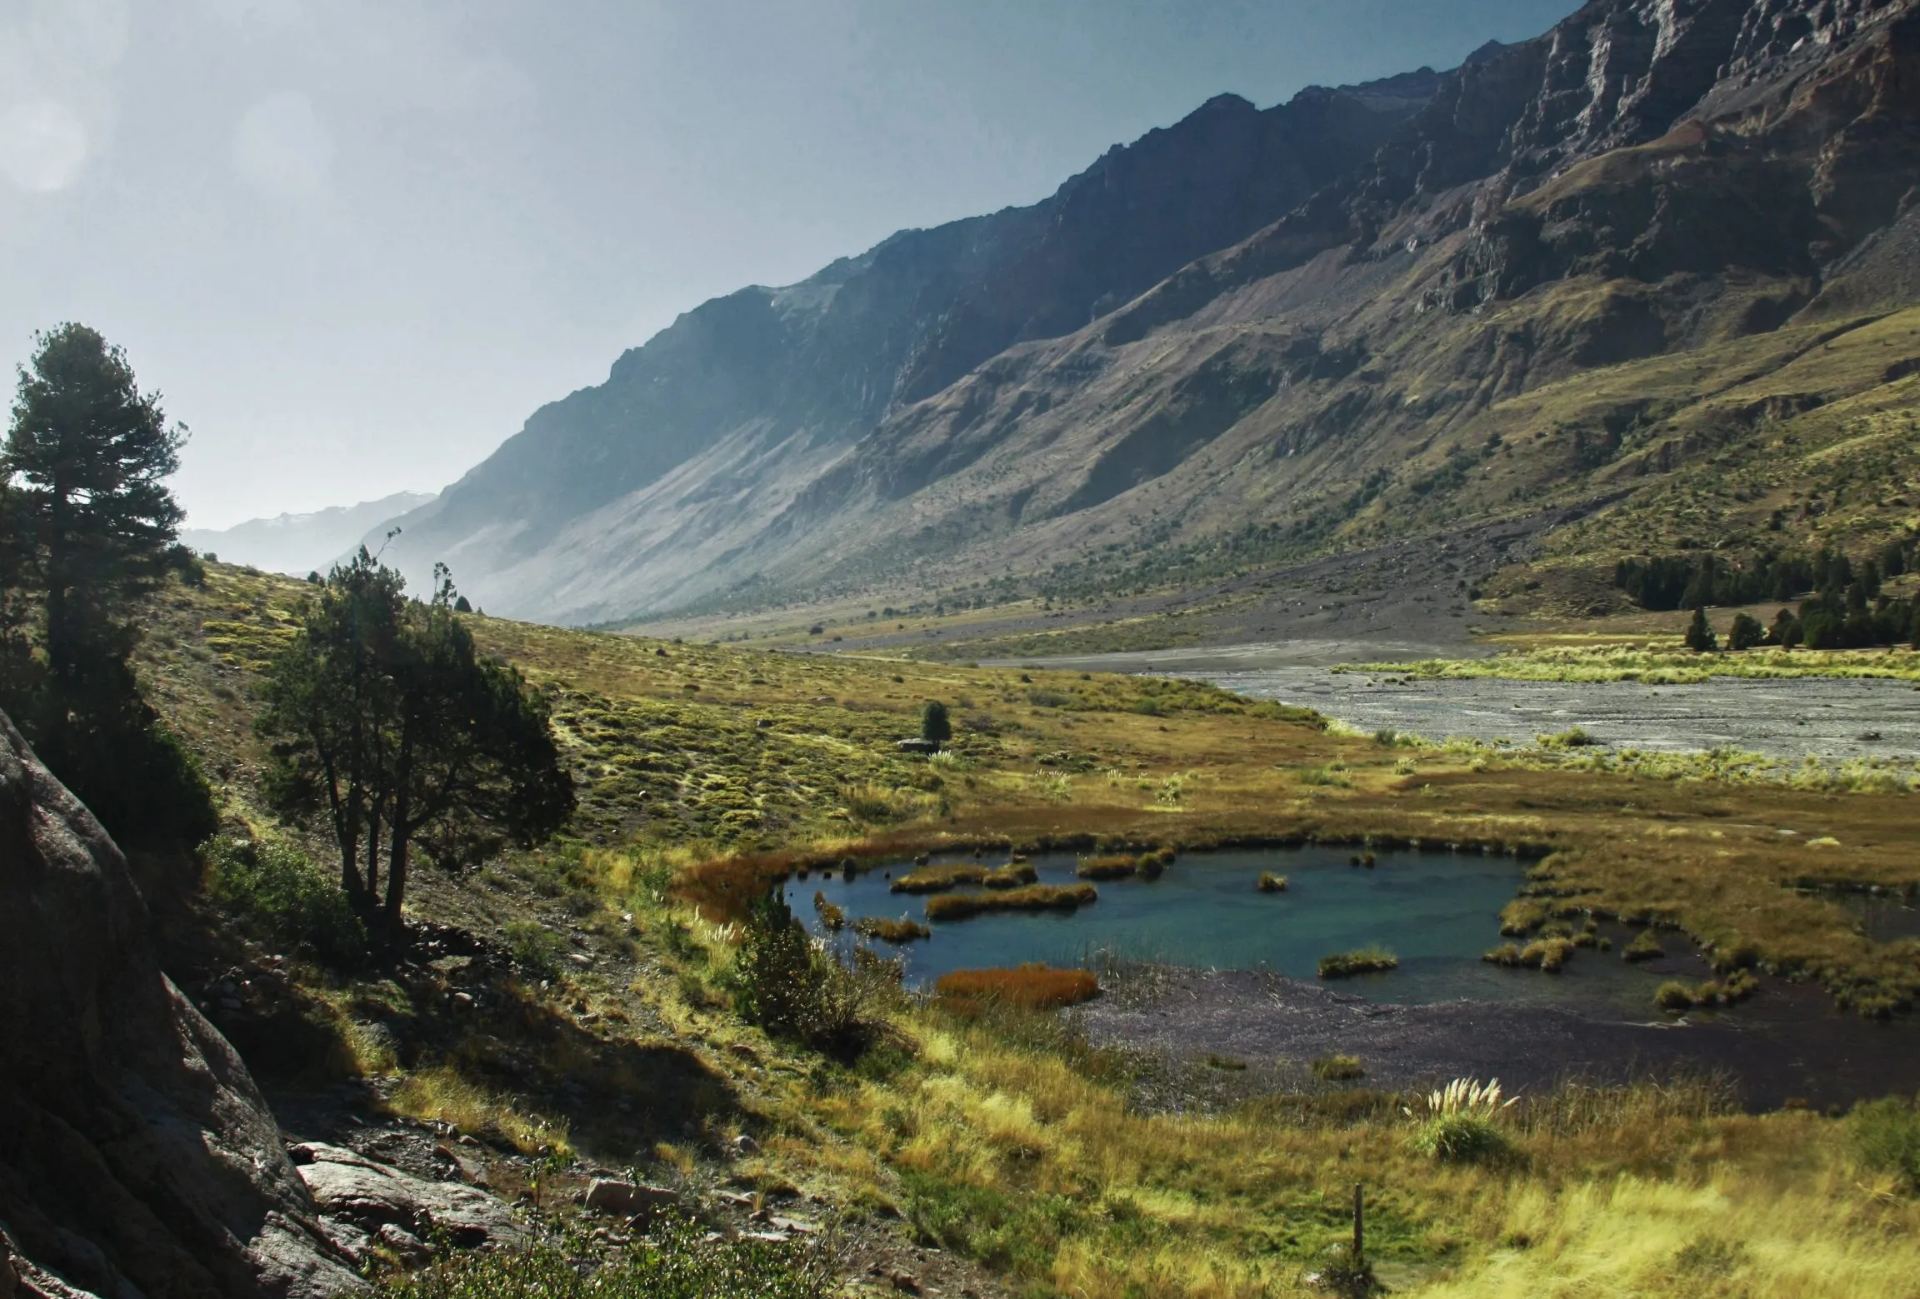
383 714
1700 637
936 727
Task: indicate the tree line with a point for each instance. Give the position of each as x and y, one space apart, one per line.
384 722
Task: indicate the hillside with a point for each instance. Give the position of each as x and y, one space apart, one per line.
1001 1152
1452 332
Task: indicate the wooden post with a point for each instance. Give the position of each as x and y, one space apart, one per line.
1359 1229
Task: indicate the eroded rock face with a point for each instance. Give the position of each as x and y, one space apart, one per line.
372 1197
136 1154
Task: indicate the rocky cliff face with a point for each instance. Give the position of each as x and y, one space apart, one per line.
641 486
994 396
136 1155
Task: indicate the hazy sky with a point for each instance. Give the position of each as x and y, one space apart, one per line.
356 242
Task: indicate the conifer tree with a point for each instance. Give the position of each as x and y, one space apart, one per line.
1700 637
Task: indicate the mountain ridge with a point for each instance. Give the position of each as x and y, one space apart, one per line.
1644 179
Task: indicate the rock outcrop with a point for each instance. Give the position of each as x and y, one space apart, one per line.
137 1157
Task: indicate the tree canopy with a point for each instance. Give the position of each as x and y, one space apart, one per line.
384 717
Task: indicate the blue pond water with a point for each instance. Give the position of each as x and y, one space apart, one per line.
1436 911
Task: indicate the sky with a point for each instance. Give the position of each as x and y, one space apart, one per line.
355 243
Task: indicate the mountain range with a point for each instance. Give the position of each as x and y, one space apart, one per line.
301 543
1555 287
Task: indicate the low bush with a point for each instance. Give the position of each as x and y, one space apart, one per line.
792 989
536 949
1034 897
1037 987
280 895
1886 1137
1367 960
1337 1068
681 1261
1271 883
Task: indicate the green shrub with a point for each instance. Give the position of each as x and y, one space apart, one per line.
680 1262
536 949
1338 1068
276 892
1886 1137
794 990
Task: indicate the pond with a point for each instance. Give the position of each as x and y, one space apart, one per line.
1437 912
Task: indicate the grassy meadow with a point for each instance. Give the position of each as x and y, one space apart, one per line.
992 1129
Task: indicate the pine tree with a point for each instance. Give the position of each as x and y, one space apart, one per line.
88 528
1700 637
935 726
88 454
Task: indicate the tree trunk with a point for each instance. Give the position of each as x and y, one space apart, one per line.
373 854
402 831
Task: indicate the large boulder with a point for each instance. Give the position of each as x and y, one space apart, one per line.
137 1157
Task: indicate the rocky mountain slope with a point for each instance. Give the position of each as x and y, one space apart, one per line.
1442 328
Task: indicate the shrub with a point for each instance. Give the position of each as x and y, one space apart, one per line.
1034 986
276 891
677 1261
792 989
535 948
1337 1068
1271 883
1886 1137
1034 897
1746 632
1367 960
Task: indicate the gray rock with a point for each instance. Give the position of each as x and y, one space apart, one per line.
136 1153
371 1195
620 1199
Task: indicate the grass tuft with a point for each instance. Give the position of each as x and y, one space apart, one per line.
1034 897
1373 959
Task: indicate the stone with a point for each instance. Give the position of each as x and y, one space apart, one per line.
622 1199
407 1247
372 1195
136 1153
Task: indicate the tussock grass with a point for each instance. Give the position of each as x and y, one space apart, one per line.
1107 868
938 879
1035 987
1365 960
903 930
1270 882
1011 876
1337 1068
1034 897
442 1094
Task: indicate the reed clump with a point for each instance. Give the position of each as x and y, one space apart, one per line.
1117 867
1011 876
1645 947
902 930
1034 897
830 915
1270 882
1372 959
939 879
1033 986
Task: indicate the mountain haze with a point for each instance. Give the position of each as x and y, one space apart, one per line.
300 543
1375 312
